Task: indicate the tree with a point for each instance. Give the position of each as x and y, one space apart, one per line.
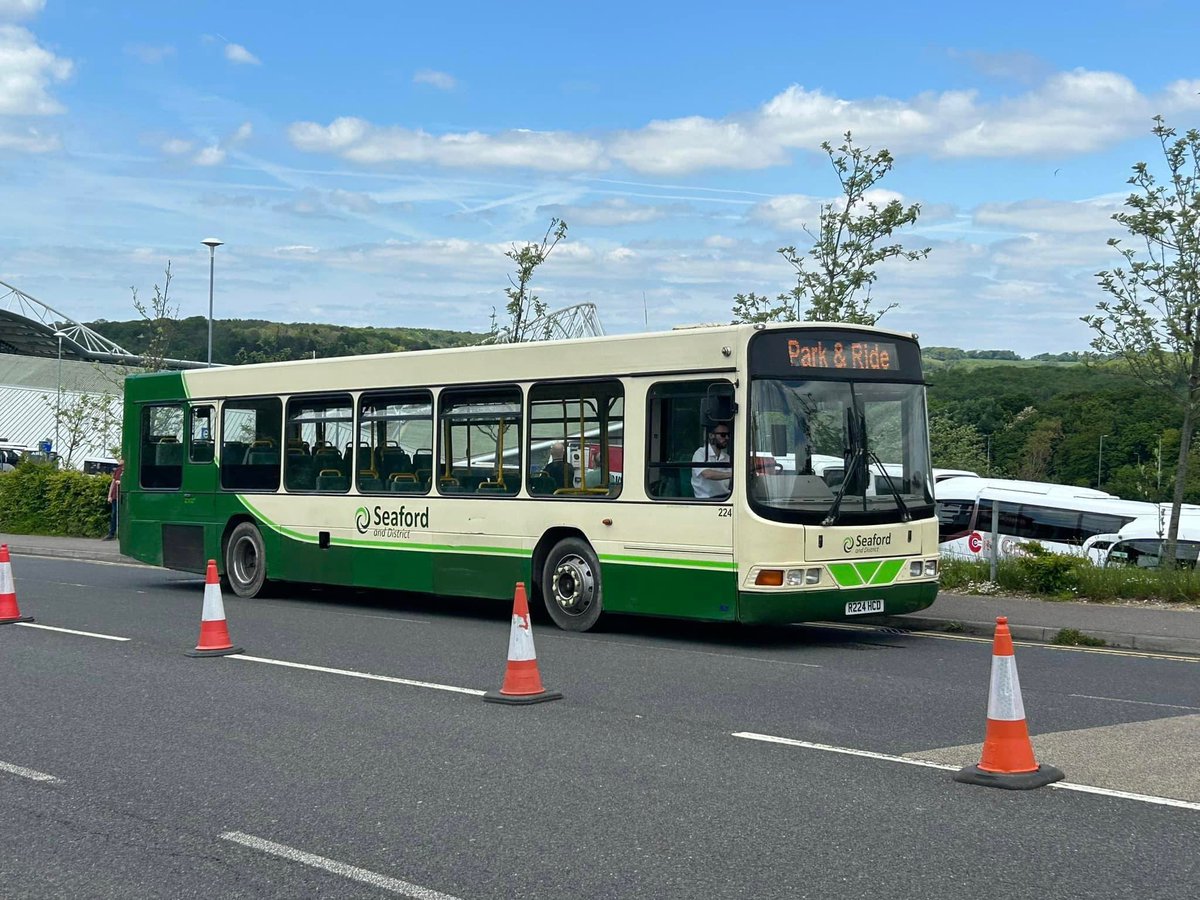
837 273
1152 321
159 321
956 446
85 420
525 307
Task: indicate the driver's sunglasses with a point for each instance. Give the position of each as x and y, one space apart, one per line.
720 434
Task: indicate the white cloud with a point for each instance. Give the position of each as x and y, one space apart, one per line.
608 213
149 54
30 141
238 54
210 156
1088 216
359 141
26 72
439 80
20 9
243 133
177 147
1080 111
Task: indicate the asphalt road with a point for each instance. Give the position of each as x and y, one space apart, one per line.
239 777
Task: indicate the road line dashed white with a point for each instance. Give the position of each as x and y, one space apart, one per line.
31 774
869 754
388 678
1138 702
366 876
103 637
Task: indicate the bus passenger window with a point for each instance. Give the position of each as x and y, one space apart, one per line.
251 434
576 439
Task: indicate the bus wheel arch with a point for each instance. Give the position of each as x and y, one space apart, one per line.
245 557
567 576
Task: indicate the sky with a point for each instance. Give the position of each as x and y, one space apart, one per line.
370 163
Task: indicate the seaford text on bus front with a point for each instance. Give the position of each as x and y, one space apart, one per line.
819 354
864 542
383 520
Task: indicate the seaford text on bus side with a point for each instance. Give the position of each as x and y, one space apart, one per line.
862 542
818 354
383 519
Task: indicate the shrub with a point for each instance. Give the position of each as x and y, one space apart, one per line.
36 498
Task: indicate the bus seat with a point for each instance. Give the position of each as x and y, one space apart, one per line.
202 451
424 475
422 459
541 483
394 459
448 484
328 458
168 453
369 481
404 486
233 452
331 480
299 474
492 487
262 454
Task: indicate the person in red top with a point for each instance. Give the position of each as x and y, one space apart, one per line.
114 496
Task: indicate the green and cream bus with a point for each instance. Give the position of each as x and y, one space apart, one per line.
574 466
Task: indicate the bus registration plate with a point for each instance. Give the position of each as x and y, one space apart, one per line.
863 607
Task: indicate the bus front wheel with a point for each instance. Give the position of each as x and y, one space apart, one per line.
246 560
571 585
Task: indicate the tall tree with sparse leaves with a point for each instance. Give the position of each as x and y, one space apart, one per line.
524 307
159 319
836 274
1152 319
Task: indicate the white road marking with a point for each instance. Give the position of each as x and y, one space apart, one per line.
1138 702
848 751
25 554
366 876
353 674
1062 785
31 774
103 637
974 639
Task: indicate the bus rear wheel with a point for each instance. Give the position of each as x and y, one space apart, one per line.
571 585
246 561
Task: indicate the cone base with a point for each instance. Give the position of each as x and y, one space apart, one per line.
12 620
501 697
1010 781
226 652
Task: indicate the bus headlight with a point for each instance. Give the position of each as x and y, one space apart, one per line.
794 577
931 567
916 568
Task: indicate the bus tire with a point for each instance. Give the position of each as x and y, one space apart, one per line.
571 585
246 561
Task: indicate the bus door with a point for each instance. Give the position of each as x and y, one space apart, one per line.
199 466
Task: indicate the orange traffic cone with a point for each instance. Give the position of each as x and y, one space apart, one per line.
522 683
1007 760
214 634
9 612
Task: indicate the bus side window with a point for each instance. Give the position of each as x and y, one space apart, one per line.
200 447
678 422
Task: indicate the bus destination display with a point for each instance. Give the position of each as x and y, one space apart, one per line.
836 354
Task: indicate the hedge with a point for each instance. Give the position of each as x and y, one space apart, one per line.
39 499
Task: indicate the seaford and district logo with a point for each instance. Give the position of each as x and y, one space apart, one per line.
383 522
865 543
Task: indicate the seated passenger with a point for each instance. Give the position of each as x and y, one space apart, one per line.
558 468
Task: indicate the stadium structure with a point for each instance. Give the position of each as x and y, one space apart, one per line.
50 365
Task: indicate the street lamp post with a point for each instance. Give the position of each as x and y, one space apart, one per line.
58 402
1100 460
212 244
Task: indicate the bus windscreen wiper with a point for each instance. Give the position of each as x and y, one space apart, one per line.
835 508
904 516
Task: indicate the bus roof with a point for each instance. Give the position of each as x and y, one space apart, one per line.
711 349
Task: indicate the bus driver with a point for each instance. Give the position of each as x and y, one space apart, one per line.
713 482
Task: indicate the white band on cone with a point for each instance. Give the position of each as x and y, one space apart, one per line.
1004 695
520 639
214 609
6 579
